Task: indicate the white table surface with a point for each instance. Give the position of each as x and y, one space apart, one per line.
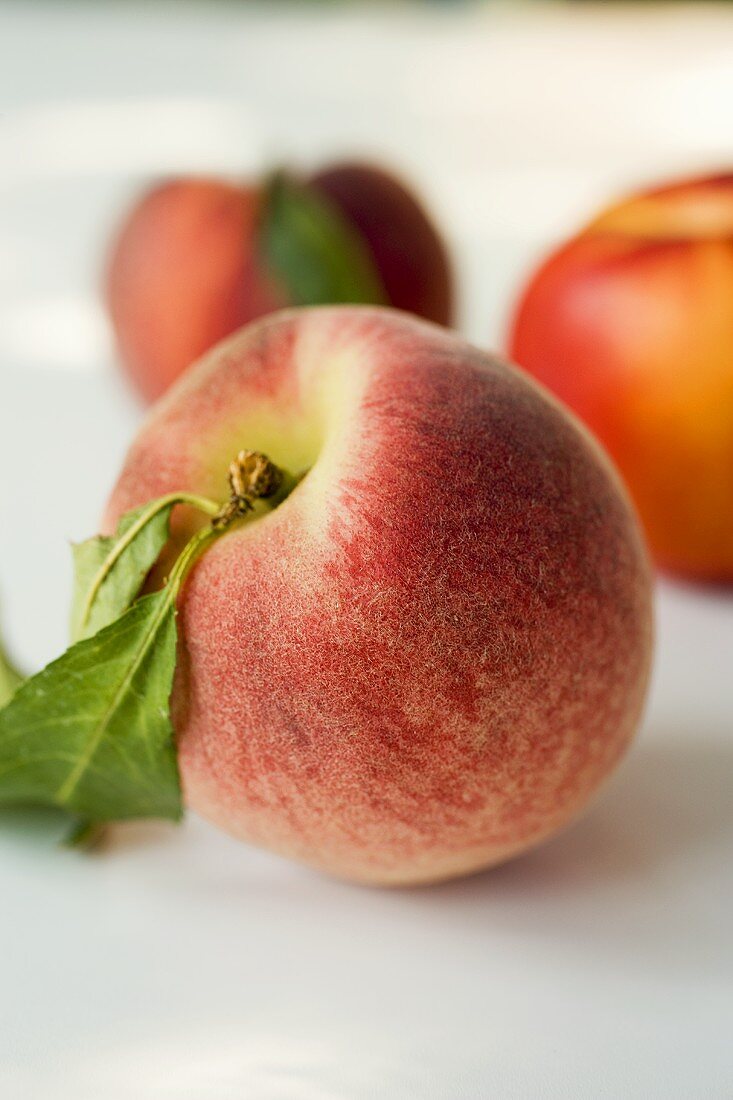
180 965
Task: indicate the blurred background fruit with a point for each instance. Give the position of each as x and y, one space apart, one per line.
183 274
409 254
195 259
631 324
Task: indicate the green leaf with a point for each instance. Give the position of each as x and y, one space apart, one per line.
10 678
91 732
312 248
85 835
110 571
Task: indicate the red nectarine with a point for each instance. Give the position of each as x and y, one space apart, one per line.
410 256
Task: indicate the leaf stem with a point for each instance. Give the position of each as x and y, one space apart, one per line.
209 507
188 555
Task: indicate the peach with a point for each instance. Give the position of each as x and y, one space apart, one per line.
190 264
432 652
631 323
183 274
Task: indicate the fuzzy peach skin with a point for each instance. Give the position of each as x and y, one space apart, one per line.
182 274
631 323
432 652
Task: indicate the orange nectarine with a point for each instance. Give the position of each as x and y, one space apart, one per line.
631 323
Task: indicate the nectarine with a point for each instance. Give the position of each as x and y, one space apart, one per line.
410 255
631 323
430 654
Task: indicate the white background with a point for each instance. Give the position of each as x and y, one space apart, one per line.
180 965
